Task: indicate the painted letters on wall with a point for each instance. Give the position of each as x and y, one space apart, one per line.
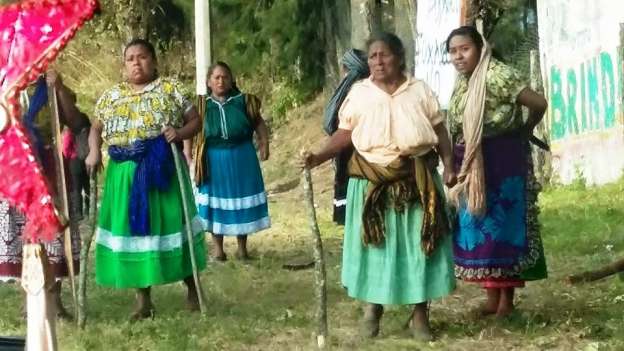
582 69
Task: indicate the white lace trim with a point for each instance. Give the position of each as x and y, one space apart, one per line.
236 229
340 203
231 204
9 279
15 280
136 244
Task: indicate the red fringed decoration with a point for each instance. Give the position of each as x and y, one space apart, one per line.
32 33
24 186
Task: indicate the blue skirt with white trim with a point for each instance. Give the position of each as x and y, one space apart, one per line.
233 200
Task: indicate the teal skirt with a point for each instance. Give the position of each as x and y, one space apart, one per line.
396 271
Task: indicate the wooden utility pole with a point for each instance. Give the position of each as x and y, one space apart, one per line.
203 44
203 60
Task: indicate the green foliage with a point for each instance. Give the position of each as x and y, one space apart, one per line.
511 29
584 220
284 97
92 62
274 47
580 181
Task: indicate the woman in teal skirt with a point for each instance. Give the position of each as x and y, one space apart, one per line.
230 197
397 249
141 237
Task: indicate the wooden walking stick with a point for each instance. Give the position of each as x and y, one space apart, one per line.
603 272
320 276
84 252
61 187
187 227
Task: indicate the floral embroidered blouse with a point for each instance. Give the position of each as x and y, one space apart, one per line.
502 113
129 115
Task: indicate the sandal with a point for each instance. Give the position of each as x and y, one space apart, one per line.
243 257
481 311
370 322
220 258
143 313
192 303
422 333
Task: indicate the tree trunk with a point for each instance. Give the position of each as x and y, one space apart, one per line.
542 160
405 28
342 26
365 19
388 15
337 36
332 57
132 18
590 276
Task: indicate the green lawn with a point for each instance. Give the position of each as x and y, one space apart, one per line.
261 306
264 307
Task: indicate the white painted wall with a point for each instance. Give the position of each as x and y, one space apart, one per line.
582 71
435 19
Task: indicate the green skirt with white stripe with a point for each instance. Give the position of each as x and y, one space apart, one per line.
125 261
397 271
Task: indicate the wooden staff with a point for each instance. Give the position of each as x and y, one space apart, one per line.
320 275
62 187
187 227
590 276
84 252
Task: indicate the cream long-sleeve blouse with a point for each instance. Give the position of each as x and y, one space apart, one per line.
385 126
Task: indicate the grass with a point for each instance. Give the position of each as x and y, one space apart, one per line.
261 306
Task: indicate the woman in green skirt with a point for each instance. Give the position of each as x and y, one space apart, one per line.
140 235
397 249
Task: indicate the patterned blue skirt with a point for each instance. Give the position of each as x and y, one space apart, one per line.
505 243
233 201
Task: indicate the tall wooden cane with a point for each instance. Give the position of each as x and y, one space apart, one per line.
187 226
84 252
62 188
320 275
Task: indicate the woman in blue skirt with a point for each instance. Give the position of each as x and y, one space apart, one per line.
231 199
